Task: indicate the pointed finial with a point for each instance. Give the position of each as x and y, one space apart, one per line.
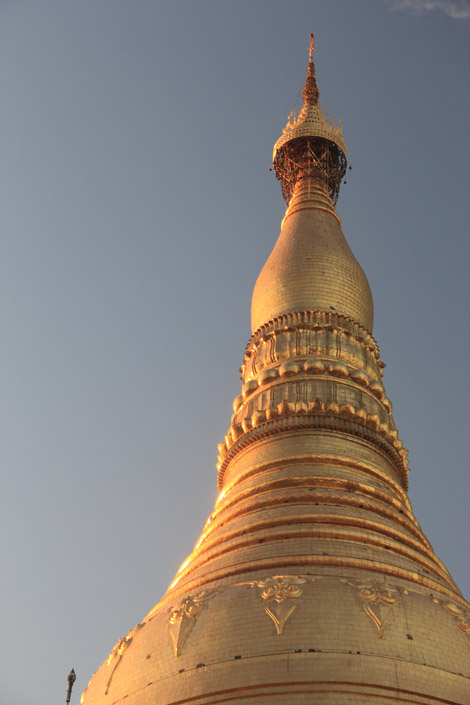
310 92
311 48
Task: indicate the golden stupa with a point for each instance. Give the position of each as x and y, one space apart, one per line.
312 581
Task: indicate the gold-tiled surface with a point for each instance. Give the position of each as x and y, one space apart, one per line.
312 266
344 640
312 581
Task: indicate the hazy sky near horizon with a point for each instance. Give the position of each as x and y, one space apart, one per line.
137 210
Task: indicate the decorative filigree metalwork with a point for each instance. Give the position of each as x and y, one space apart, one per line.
310 145
309 156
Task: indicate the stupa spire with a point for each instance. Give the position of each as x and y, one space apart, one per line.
310 143
310 93
312 580
311 47
311 267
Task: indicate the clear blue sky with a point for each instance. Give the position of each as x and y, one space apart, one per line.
136 212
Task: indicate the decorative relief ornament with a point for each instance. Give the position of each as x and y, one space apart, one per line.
279 594
464 626
378 604
118 651
183 618
462 616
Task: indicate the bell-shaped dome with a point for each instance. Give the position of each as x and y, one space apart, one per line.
311 267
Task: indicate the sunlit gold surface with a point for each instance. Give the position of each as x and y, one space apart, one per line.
312 582
311 267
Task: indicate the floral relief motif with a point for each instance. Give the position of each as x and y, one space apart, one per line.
118 651
378 604
183 618
464 626
279 594
462 616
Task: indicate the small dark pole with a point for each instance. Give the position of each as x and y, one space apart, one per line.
71 678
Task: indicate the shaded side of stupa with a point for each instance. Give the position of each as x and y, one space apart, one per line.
312 581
